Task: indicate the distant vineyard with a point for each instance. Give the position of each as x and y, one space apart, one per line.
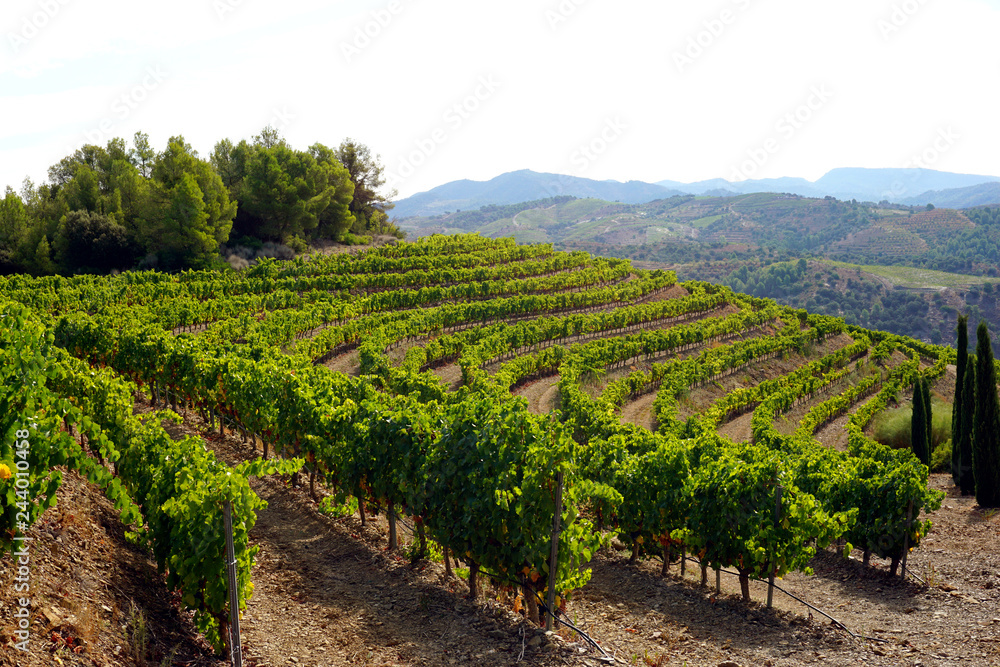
437 338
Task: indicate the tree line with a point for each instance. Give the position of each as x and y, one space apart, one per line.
975 461
121 206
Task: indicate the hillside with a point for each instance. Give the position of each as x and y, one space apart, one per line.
405 396
681 227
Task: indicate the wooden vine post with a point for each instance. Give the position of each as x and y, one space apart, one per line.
554 555
774 556
235 649
906 536
393 540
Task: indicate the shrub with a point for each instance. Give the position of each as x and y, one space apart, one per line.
298 244
941 457
353 239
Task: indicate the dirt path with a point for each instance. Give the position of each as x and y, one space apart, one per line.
348 363
451 375
834 434
640 412
737 430
675 292
542 395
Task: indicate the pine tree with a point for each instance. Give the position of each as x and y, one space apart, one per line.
918 423
966 479
986 446
960 404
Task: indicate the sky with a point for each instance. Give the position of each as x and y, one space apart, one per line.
448 89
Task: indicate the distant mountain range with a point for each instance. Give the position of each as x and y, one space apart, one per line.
525 185
900 186
974 195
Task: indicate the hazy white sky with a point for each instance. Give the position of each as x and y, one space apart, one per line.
449 89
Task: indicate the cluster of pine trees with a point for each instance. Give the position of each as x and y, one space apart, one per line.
119 207
975 460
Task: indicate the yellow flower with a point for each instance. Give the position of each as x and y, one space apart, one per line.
4 471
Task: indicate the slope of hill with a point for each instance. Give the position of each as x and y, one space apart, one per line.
668 392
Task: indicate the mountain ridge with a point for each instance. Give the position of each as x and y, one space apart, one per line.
903 186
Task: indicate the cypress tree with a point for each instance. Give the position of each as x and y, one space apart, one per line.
960 404
918 423
986 445
928 417
966 480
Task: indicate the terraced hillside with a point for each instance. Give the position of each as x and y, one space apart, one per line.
473 392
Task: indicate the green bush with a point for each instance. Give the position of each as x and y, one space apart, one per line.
298 244
941 457
353 239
